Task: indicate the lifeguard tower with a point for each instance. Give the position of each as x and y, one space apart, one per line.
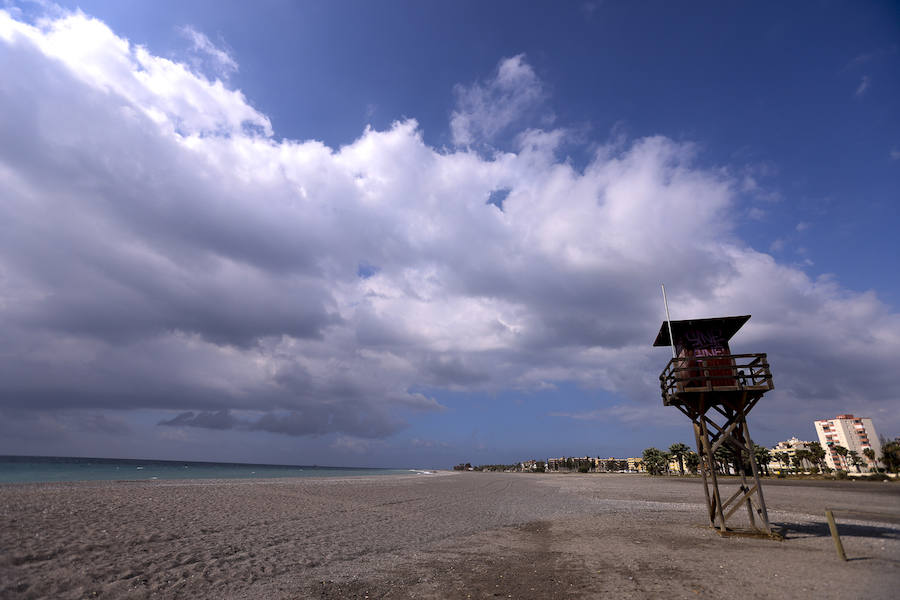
716 389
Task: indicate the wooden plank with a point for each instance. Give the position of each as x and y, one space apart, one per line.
741 501
710 462
724 435
755 468
740 491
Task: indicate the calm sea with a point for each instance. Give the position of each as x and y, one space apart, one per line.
20 469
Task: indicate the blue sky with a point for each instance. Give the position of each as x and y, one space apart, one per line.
264 232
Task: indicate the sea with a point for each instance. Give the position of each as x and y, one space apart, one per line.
34 469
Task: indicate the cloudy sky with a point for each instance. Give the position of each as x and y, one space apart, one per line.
413 234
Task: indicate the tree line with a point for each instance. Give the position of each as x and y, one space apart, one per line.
727 461
810 459
657 461
469 467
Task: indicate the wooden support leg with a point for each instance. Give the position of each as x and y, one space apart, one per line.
710 462
764 514
744 487
733 430
703 471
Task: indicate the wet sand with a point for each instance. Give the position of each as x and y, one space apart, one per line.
466 535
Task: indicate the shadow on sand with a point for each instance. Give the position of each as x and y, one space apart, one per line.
799 530
846 530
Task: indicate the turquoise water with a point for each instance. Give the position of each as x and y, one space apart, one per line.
21 469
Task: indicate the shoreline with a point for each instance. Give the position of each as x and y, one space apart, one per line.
727 479
31 469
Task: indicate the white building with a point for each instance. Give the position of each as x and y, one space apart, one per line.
855 434
636 464
790 448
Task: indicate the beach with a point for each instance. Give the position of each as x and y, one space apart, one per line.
447 535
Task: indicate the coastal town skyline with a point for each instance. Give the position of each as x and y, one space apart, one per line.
837 439
406 235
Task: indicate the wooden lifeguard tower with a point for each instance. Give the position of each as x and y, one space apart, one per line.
716 389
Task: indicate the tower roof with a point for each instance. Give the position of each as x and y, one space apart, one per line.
727 325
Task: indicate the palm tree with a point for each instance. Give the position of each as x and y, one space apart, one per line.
763 457
842 452
856 460
692 462
818 453
717 460
654 460
679 451
784 458
890 455
722 456
667 457
806 459
870 454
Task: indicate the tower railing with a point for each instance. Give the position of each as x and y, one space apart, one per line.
684 376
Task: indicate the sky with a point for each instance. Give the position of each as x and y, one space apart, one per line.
413 234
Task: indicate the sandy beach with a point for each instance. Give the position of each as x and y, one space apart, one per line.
466 535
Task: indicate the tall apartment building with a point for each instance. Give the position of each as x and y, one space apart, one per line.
850 432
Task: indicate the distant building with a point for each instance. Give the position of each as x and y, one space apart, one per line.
553 464
790 448
636 465
572 463
675 466
605 465
853 433
591 464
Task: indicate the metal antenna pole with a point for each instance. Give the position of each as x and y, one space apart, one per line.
668 320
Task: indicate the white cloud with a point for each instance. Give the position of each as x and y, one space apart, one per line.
160 254
485 110
589 9
895 154
425 443
221 61
629 414
863 86
166 92
345 443
756 214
